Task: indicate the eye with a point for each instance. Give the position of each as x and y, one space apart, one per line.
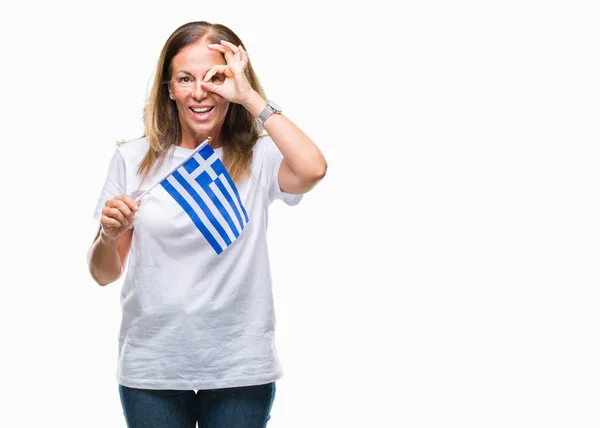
185 79
216 78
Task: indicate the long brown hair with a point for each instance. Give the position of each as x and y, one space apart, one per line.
161 119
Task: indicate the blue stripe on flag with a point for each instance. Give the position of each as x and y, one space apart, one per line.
219 168
209 214
204 181
192 214
229 199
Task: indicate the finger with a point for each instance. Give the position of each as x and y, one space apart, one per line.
129 201
233 49
216 69
115 214
211 87
227 53
125 204
217 47
121 206
106 222
244 56
231 46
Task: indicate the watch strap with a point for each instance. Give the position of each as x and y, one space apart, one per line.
267 112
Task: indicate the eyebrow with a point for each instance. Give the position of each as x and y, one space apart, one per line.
185 72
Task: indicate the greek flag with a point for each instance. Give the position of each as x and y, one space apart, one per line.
203 188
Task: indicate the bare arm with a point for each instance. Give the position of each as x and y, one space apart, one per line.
107 257
303 164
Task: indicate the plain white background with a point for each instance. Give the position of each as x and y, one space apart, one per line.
443 274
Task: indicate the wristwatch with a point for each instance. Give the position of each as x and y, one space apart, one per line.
269 109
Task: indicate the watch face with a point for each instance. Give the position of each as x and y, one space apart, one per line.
273 106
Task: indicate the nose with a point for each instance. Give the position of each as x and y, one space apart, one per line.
197 92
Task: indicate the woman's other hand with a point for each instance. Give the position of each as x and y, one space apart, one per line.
118 216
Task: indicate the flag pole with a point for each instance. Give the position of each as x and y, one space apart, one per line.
196 150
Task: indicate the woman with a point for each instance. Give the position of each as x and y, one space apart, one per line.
197 333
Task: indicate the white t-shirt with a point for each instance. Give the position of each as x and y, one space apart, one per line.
193 319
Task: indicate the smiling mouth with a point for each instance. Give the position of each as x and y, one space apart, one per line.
201 110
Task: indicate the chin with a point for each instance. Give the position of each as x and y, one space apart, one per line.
205 130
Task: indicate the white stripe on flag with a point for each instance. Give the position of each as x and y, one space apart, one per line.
210 204
205 221
226 203
234 198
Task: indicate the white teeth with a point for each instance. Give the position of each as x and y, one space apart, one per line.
201 110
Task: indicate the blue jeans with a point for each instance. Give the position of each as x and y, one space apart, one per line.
242 407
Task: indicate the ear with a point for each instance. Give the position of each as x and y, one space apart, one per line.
170 88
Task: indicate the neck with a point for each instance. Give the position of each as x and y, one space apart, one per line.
192 142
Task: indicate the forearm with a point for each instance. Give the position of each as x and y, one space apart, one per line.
103 260
300 152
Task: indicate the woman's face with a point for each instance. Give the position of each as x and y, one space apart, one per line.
201 113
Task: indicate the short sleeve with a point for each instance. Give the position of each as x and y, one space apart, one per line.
271 163
114 184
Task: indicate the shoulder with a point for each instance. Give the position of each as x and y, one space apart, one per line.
133 147
132 152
